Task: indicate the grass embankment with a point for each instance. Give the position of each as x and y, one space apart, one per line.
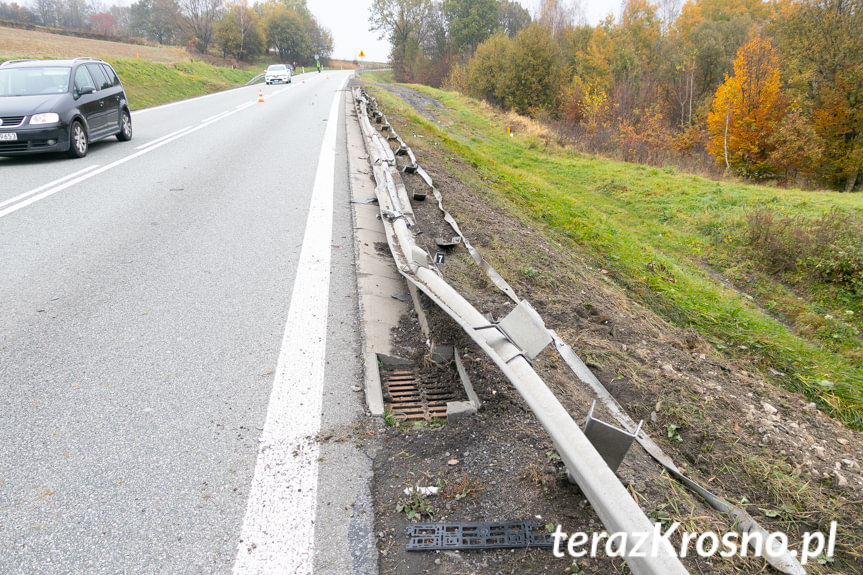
152 75
767 275
150 83
153 83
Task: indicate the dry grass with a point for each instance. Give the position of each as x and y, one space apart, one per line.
18 43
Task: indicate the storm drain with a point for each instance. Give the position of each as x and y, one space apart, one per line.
504 535
407 399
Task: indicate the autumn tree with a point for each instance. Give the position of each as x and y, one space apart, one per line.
284 32
678 78
198 20
74 14
591 53
746 110
634 59
291 30
487 71
470 22
796 147
709 33
322 40
536 73
17 13
557 15
122 17
156 20
434 41
103 23
48 12
404 24
699 78
431 57
238 32
513 17
668 11
823 47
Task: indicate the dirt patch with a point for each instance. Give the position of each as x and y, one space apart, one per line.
742 437
426 105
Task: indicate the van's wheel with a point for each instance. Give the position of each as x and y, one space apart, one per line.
78 144
125 133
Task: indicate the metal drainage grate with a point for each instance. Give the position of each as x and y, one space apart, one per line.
505 535
406 399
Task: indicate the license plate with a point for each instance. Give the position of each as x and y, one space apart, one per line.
8 136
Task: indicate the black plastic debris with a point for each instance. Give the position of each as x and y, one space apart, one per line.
458 536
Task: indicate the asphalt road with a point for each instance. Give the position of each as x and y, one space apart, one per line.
146 296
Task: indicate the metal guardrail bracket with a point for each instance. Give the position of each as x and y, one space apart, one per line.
465 380
611 442
419 256
448 243
525 329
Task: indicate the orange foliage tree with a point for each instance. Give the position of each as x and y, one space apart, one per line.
822 51
747 107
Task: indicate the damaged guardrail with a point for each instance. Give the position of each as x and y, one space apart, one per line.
612 502
530 323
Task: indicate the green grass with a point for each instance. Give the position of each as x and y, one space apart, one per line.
380 76
674 242
151 84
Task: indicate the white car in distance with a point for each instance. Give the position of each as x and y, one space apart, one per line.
277 73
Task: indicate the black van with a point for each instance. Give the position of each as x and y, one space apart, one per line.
60 106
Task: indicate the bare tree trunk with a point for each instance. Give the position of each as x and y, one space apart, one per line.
852 181
727 120
691 92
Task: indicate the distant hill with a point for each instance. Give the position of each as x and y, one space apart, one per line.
23 43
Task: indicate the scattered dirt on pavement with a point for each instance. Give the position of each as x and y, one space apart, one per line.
752 442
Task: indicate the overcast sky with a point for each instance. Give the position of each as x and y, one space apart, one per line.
349 24
348 21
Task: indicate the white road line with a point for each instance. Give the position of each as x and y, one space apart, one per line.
213 118
145 149
189 101
48 185
278 529
165 137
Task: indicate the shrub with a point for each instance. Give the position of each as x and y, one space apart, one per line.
486 73
827 249
536 72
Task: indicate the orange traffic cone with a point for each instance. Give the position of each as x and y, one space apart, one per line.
260 95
